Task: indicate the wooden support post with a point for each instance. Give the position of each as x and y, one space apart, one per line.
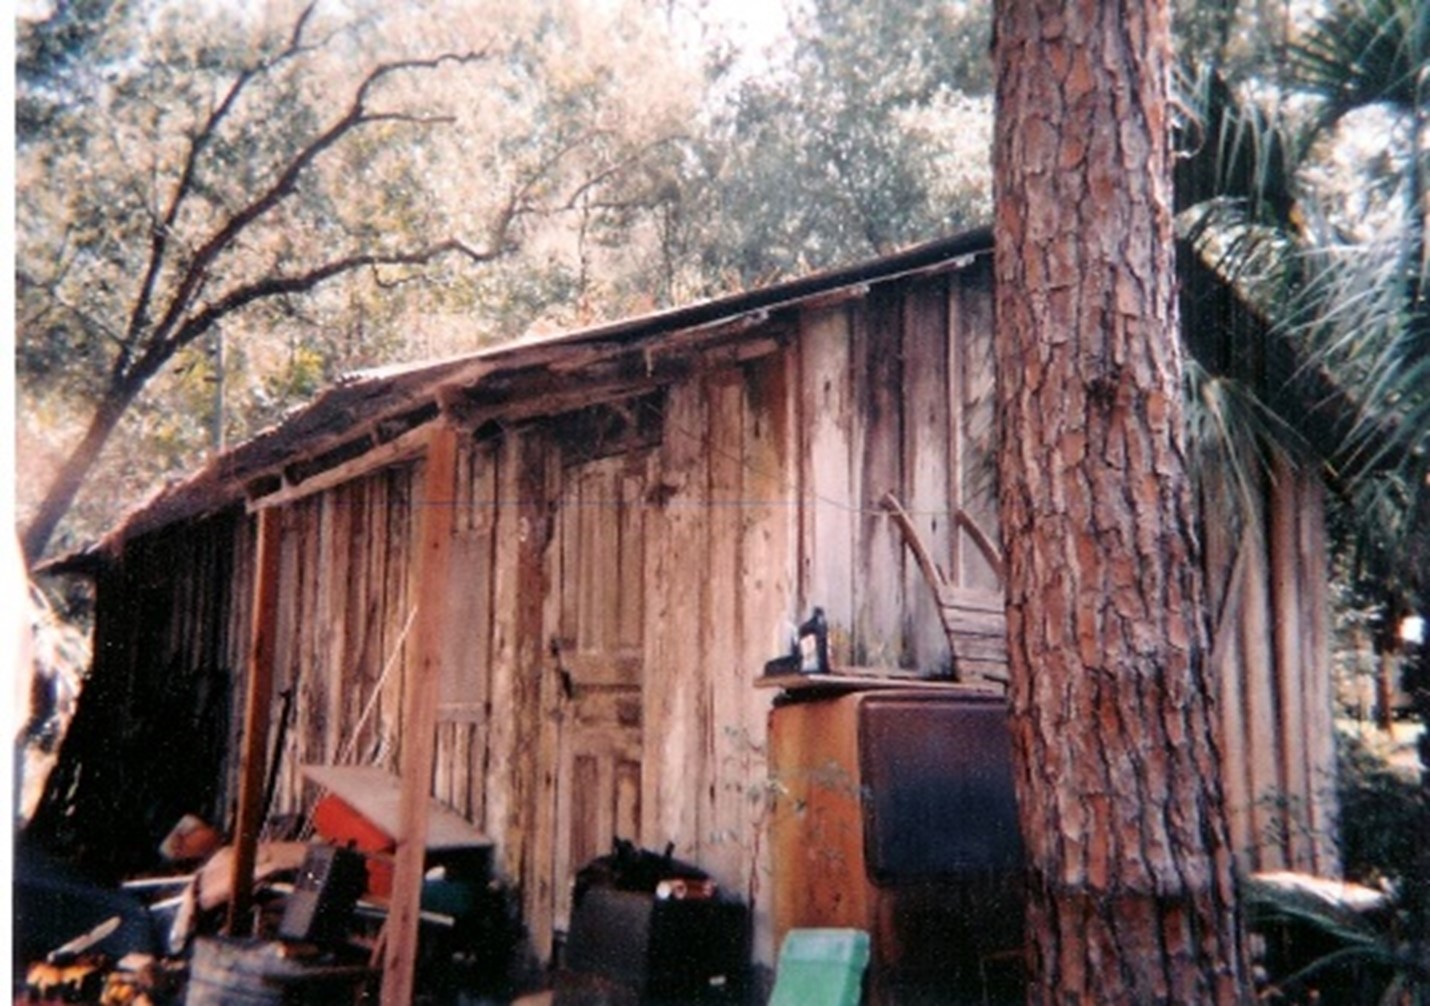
420 716
262 643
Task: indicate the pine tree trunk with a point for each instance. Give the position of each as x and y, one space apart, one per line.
1132 892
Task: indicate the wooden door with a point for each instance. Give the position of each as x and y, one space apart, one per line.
599 651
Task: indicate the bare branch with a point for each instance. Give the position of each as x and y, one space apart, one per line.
285 184
407 117
56 301
387 69
612 170
270 287
295 40
555 158
159 239
162 229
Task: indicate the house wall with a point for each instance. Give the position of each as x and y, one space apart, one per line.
154 727
621 572
1267 585
617 584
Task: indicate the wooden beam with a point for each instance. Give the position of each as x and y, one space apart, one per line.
263 640
419 741
401 448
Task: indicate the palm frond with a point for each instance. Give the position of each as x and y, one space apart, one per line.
1231 430
1233 153
1364 53
1356 316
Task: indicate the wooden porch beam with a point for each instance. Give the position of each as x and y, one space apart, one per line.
259 699
401 448
419 704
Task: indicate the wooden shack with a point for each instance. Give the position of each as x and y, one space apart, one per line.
639 516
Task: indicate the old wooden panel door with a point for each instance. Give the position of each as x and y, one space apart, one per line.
598 647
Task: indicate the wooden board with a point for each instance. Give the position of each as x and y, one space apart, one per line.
673 698
843 679
927 432
875 430
826 482
376 794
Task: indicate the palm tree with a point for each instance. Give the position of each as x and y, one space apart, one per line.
1339 263
1364 293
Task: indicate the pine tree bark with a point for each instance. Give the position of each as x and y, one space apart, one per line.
1132 893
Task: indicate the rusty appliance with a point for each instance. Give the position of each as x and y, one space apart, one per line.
895 814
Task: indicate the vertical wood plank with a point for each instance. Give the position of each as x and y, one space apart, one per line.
827 499
927 433
767 579
533 676
243 590
420 709
1259 698
358 687
877 444
1289 670
972 385
338 615
404 564
1320 712
257 702
484 523
1228 664
630 561
550 883
725 682
502 737
308 681
672 696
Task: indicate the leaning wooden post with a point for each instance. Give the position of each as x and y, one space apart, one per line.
420 715
261 652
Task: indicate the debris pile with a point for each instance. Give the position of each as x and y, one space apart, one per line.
315 933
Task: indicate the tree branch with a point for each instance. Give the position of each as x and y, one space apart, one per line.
353 117
159 237
614 169
159 352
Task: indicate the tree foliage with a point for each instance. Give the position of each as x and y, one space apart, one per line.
187 177
1313 200
219 212
870 134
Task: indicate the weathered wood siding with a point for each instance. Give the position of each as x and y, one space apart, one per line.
1267 585
344 625
622 569
152 735
614 596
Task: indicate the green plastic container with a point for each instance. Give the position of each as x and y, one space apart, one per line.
821 967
